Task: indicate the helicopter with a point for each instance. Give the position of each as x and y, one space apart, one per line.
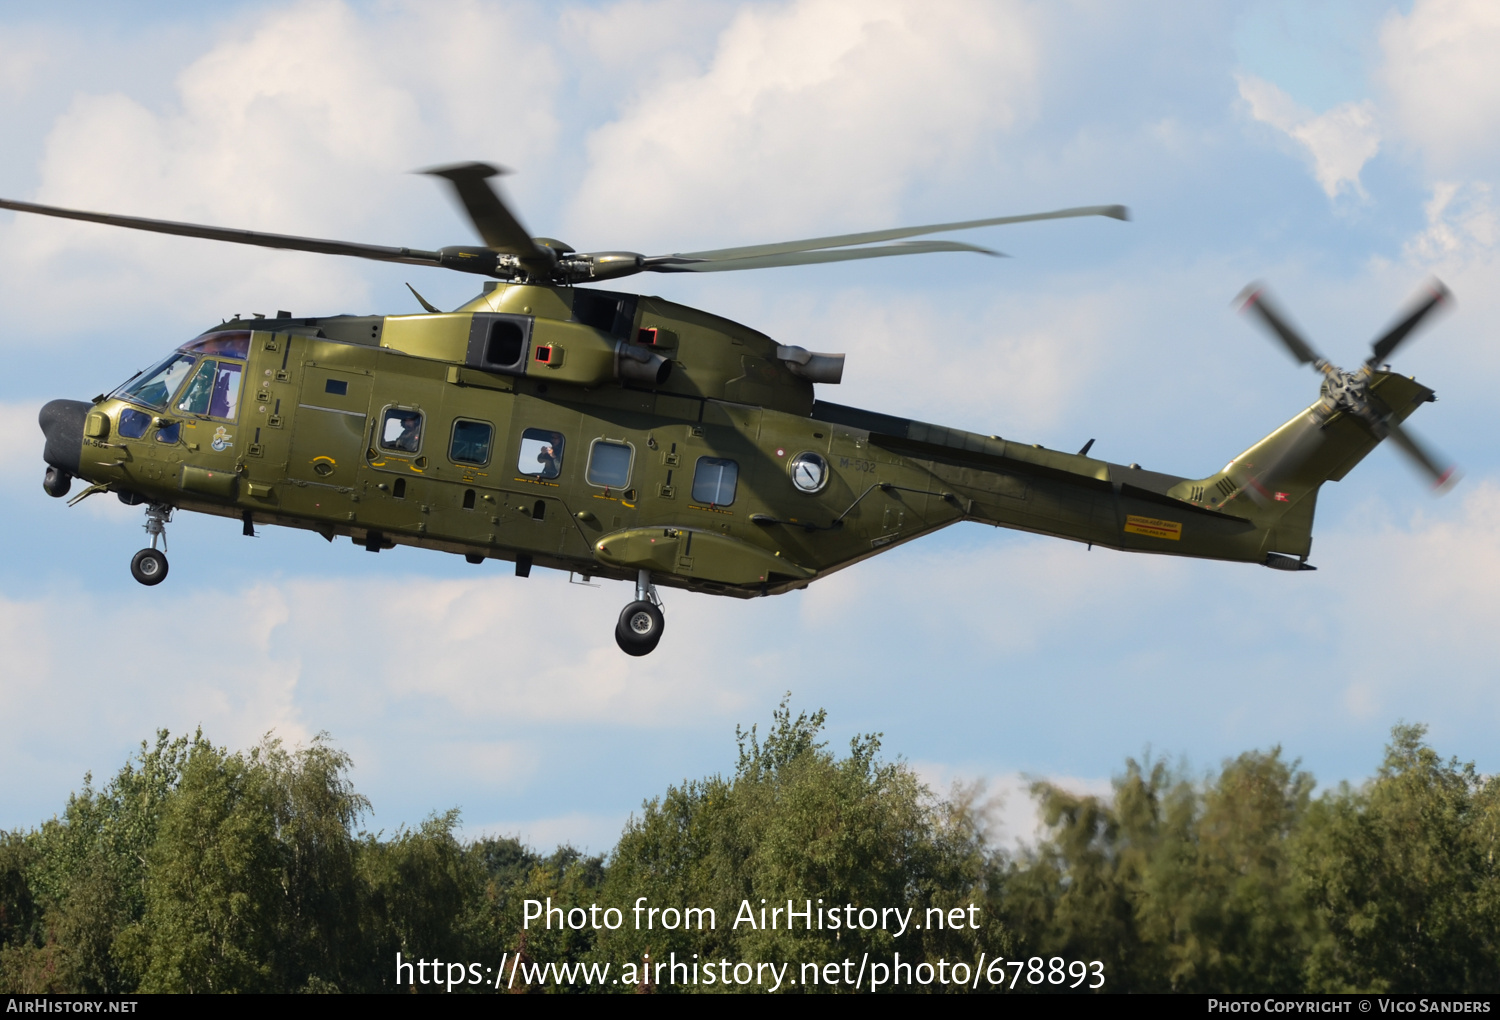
551 423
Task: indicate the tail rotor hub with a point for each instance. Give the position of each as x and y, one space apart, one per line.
1347 391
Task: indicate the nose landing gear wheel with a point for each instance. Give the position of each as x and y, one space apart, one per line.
149 567
639 629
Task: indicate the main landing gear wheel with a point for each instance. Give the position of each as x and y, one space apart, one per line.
641 622
639 629
149 566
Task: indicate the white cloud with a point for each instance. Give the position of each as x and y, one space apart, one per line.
1011 817
1462 224
1460 244
304 121
990 365
22 53
811 113
1340 140
482 653
629 44
1439 70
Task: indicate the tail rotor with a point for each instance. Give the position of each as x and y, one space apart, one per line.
1343 392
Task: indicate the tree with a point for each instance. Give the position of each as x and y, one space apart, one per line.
1172 885
798 823
1403 876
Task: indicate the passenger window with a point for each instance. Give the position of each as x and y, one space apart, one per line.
471 442
213 391
133 423
714 480
609 464
401 430
541 453
170 434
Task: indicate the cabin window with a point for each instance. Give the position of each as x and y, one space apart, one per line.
338 387
133 423
609 464
401 430
541 453
214 390
161 382
471 442
714 480
170 433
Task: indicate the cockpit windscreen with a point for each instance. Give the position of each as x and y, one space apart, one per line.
156 387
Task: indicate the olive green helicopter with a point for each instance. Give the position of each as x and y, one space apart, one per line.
620 435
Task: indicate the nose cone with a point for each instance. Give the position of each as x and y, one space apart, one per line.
62 424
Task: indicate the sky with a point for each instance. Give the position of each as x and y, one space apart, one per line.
1342 152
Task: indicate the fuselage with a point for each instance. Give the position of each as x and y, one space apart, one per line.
608 434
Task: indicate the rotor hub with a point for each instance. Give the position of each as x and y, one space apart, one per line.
1347 391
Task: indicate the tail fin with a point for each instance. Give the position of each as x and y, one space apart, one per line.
1275 482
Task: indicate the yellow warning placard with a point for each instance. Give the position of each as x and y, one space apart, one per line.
1153 527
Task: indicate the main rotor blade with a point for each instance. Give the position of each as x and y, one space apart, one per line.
1118 212
381 253
1443 478
1393 338
498 226
671 263
1253 299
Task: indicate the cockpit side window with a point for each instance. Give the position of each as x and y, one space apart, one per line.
156 387
213 391
226 399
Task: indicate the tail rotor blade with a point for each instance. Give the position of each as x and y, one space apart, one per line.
1443 478
1397 334
1253 299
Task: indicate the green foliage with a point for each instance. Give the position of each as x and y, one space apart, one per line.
1403 876
1245 883
197 869
798 823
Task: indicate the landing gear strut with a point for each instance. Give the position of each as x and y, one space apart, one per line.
641 622
149 566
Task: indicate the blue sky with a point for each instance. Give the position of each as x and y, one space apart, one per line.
1342 152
